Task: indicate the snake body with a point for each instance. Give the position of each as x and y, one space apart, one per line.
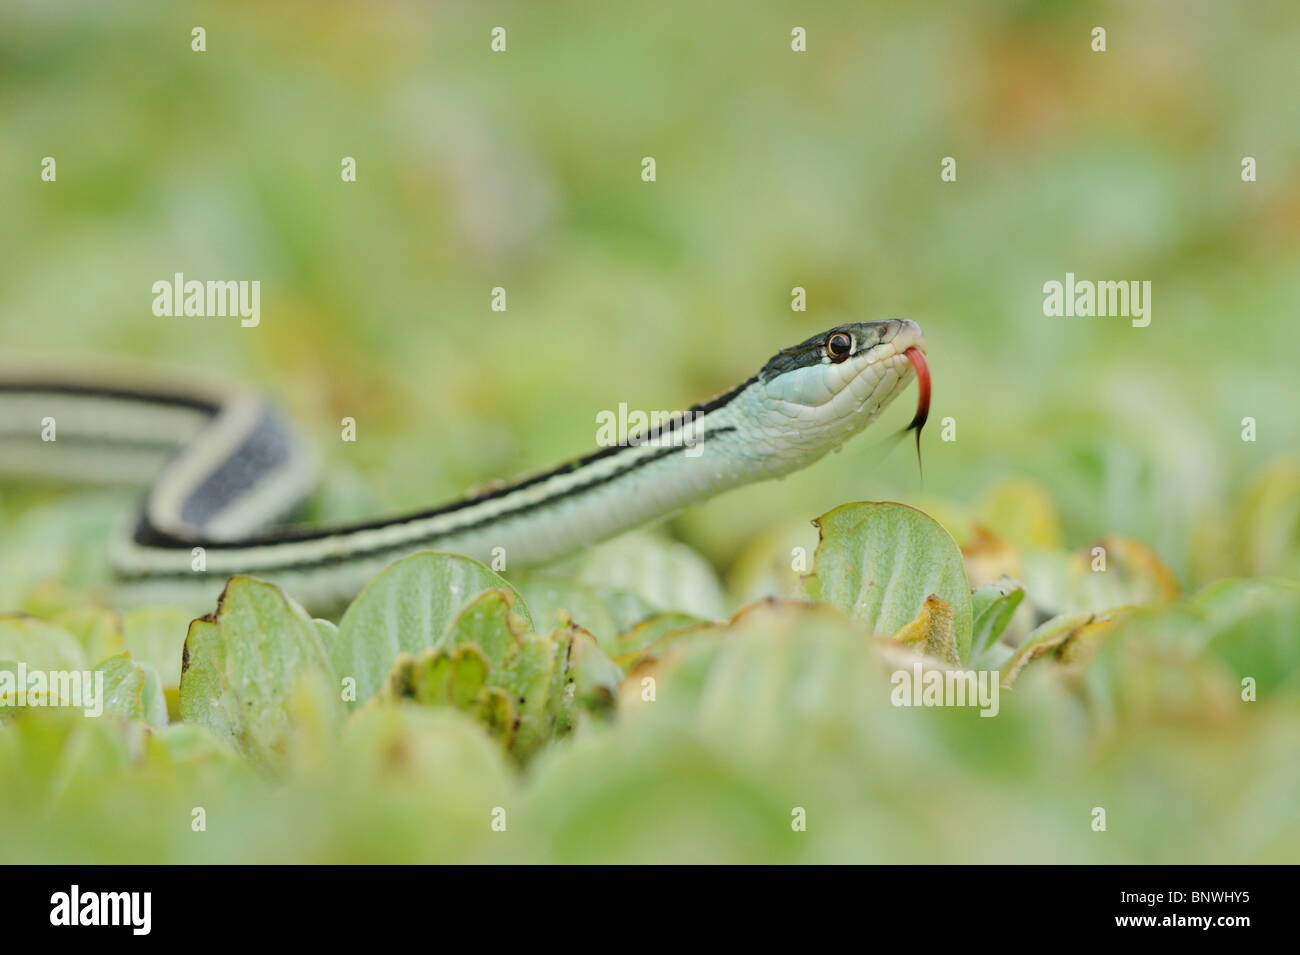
224 470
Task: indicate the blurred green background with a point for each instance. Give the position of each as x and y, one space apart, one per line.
775 169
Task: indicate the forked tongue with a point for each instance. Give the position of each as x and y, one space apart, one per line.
917 358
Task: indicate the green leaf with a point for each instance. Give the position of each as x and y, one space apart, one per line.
526 681
632 645
438 753
523 687
455 677
132 691
489 623
154 697
40 645
53 653
1153 671
190 745
668 575
1054 638
328 633
584 679
99 631
156 635
407 608
1252 626
773 563
879 562
626 608
770 677
205 696
439 676
992 607
253 668
62 544
548 595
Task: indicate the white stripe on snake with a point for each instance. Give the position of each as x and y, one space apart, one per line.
223 470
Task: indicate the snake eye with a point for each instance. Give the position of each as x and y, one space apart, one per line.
839 345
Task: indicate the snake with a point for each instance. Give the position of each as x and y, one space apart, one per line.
224 472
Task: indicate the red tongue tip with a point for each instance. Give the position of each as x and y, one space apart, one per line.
917 358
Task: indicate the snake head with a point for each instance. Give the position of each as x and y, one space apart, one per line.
815 395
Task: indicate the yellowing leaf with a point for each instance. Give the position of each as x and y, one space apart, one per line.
931 632
1133 574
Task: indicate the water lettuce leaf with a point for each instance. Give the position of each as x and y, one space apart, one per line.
879 562
253 668
407 608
